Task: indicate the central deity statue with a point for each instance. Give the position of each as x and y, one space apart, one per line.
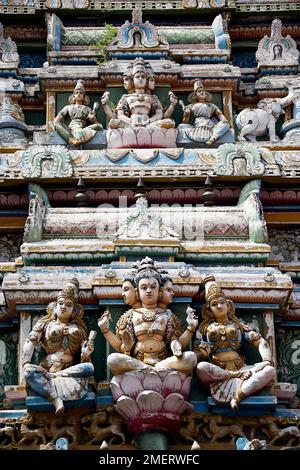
149 336
139 114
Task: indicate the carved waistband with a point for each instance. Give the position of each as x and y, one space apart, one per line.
234 364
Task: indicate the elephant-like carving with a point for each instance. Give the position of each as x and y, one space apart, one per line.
262 120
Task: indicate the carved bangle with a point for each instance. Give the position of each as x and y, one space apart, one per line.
191 329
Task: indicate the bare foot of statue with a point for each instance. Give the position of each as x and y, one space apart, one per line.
58 405
237 397
234 404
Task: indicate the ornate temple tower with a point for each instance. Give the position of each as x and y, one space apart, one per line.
149 224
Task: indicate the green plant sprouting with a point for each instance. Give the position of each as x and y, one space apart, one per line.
107 36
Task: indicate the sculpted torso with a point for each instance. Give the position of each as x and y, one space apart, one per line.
61 343
150 342
225 340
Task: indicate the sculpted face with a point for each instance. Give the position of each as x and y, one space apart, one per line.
139 80
64 309
79 96
148 292
151 83
127 82
219 308
201 95
129 293
167 293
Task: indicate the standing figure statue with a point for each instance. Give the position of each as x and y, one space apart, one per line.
150 337
62 333
137 110
83 124
220 337
203 121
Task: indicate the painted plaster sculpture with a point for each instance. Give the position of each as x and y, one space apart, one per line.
208 121
139 119
220 337
83 124
153 379
277 51
10 111
62 333
261 121
150 337
12 123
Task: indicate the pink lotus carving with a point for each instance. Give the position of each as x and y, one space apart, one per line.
151 400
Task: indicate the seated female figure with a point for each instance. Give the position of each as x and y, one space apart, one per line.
220 338
149 336
62 333
83 124
203 121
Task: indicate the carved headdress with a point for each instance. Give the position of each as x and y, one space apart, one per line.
147 267
70 291
198 85
79 86
138 65
212 288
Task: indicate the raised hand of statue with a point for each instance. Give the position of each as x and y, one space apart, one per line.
87 346
127 342
103 321
176 348
105 98
191 318
173 98
202 348
92 115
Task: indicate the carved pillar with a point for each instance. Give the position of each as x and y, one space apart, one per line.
269 332
50 110
227 106
25 328
27 321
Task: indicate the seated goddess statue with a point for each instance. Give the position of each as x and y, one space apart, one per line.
208 121
62 334
149 336
220 338
139 110
83 124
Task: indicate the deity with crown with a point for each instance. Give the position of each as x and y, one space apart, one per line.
152 373
203 121
62 334
83 124
139 119
220 338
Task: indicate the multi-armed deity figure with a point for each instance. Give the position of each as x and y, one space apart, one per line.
83 124
203 121
220 338
62 333
149 336
138 108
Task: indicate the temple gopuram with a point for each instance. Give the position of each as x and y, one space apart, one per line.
149 225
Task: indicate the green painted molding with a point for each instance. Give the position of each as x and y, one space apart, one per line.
189 36
67 258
